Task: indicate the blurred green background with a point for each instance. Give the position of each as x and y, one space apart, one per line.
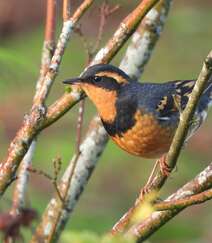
117 179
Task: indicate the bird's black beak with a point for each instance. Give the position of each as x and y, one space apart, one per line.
73 81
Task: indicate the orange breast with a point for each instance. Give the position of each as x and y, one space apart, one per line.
147 138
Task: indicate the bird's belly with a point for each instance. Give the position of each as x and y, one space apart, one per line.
147 138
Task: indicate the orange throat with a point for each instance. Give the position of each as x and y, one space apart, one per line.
104 100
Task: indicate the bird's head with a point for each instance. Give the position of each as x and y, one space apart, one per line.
99 78
101 83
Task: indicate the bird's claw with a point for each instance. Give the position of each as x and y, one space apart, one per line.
164 167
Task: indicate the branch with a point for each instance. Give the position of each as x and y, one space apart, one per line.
137 56
177 142
49 42
36 119
105 12
64 198
143 230
122 34
124 31
90 150
144 39
47 52
184 123
21 182
60 48
66 9
184 202
55 207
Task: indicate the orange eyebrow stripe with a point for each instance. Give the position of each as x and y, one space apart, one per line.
115 76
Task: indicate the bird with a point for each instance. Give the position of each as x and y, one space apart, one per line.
141 117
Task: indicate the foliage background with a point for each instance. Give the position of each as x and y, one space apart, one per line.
118 176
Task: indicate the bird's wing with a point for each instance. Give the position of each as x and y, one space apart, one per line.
174 101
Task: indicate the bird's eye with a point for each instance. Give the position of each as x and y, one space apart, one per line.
97 79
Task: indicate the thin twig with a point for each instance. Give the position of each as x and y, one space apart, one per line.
49 42
40 172
57 162
86 44
50 20
64 197
53 179
55 184
66 9
184 202
105 12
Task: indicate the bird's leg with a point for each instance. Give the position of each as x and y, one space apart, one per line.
164 167
146 188
165 170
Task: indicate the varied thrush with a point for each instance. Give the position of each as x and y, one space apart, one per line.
140 117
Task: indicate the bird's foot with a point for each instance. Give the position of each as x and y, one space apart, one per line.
164 167
147 188
144 191
165 170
